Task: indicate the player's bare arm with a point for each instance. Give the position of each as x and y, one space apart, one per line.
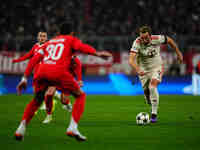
173 45
25 57
35 60
104 54
132 62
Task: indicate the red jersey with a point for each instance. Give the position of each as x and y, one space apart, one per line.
57 53
29 55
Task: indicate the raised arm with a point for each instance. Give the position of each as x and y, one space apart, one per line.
31 64
173 45
87 49
25 57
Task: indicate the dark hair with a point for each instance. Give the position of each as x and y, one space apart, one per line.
42 30
66 27
144 29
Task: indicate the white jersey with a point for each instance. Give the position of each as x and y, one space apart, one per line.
148 56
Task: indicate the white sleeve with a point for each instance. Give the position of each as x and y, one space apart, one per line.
134 47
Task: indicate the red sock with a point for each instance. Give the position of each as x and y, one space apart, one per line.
30 110
49 104
66 101
78 107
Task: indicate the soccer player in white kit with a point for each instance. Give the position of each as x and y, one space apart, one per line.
146 60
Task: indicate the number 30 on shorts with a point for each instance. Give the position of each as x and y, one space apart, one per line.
55 51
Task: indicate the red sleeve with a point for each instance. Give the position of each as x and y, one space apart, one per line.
84 48
26 56
32 62
78 69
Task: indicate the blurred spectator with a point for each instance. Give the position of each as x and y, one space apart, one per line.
99 17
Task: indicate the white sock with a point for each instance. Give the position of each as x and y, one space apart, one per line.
154 96
23 123
154 108
73 124
22 127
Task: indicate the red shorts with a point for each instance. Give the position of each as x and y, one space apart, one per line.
48 75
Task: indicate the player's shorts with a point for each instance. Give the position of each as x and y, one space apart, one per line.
46 76
155 73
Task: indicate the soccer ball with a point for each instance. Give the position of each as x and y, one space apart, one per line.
142 118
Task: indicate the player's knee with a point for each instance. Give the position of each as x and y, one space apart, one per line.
154 83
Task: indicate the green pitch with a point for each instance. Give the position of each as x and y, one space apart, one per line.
108 122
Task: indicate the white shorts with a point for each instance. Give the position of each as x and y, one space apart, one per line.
155 73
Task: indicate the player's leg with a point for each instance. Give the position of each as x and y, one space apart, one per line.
147 91
69 85
78 109
66 102
145 85
154 95
29 112
65 82
49 103
64 98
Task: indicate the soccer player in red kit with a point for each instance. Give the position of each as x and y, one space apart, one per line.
55 56
76 71
42 38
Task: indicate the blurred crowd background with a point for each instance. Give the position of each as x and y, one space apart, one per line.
105 24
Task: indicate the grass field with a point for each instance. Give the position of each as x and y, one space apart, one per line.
108 122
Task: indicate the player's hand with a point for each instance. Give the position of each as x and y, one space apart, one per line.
104 54
140 72
80 83
22 85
